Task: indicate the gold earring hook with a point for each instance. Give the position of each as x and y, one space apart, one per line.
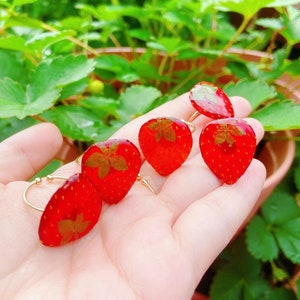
36 182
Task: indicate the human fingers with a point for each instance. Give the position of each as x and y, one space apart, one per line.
241 107
179 108
208 224
194 179
28 151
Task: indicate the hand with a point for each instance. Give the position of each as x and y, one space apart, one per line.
146 247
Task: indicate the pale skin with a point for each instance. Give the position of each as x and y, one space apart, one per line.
146 247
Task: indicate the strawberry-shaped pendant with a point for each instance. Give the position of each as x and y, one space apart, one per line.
71 212
227 147
113 167
165 143
210 100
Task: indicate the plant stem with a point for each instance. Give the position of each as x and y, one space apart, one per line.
72 39
242 27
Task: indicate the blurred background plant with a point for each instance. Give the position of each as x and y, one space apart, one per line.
91 66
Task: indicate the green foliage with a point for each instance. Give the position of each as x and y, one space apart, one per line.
264 262
50 53
277 229
44 87
41 69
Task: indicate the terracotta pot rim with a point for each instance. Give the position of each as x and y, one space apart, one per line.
284 166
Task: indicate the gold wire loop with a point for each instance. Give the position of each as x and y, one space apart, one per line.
194 116
78 160
145 183
38 181
191 125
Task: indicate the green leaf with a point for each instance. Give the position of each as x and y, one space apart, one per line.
298 288
293 68
291 24
278 3
272 209
169 45
247 8
282 215
14 43
239 278
260 241
288 236
101 104
12 66
136 101
297 177
16 102
76 122
272 23
279 294
255 92
42 41
61 71
115 67
74 88
44 88
22 2
23 21
282 115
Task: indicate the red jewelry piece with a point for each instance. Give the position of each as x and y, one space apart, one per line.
113 167
227 147
210 100
165 143
71 212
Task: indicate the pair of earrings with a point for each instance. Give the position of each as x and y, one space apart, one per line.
227 144
110 168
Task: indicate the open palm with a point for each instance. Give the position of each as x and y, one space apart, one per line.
146 247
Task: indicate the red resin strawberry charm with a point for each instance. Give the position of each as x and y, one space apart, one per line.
211 101
113 167
71 212
165 143
227 147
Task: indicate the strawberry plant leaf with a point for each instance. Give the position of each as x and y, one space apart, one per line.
260 241
260 91
115 67
282 115
282 224
272 210
279 294
297 177
278 3
288 236
136 101
247 8
239 278
44 87
41 41
22 2
14 43
16 102
61 71
103 105
76 122
12 67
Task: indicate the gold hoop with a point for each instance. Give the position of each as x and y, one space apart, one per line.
145 183
78 159
191 125
39 181
195 115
